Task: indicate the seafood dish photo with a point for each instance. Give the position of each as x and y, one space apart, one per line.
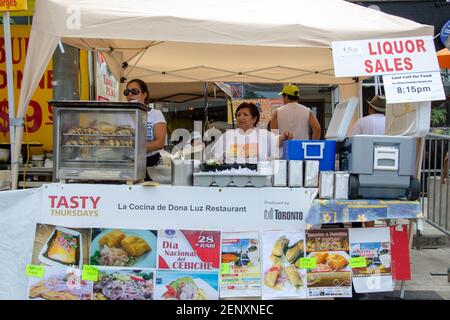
64 247
61 286
184 288
124 248
124 285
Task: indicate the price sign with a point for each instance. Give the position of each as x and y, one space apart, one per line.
35 271
351 49
414 87
308 263
225 268
358 262
89 273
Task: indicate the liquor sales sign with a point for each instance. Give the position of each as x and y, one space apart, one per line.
384 56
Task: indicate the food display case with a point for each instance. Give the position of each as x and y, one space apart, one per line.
96 140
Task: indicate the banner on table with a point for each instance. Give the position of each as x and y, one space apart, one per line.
140 207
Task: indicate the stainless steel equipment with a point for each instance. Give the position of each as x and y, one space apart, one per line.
99 140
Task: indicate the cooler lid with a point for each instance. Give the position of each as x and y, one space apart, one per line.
341 120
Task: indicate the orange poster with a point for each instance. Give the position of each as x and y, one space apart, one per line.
39 119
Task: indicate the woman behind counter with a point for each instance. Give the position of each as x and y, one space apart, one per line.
248 144
137 91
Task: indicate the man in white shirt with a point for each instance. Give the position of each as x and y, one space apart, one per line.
374 123
295 118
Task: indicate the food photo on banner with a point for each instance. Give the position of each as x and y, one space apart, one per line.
123 248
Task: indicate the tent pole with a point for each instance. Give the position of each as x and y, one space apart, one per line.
10 82
205 92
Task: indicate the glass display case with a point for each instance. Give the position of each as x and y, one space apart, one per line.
96 140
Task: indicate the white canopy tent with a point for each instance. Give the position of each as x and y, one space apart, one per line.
204 40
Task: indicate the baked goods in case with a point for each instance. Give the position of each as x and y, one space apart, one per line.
135 246
112 239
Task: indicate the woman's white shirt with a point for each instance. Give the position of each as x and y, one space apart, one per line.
237 146
153 117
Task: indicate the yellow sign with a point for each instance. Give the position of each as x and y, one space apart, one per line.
89 273
39 118
35 271
13 5
225 268
358 262
308 263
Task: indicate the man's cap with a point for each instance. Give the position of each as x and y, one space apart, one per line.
290 90
378 103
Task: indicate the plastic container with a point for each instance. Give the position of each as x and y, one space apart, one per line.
341 120
408 119
323 151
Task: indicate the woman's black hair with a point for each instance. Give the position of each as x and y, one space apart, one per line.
254 111
144 89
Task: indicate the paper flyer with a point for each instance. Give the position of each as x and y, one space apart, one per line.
375 245
281 273
332 276
123 284
189 250
181 285
240 272
60 283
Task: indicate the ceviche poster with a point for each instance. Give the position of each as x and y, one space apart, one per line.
332 276
240 271
189 250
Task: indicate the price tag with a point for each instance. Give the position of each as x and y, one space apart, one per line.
308 263
358 262
351 49
89 273
35 271
225 268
